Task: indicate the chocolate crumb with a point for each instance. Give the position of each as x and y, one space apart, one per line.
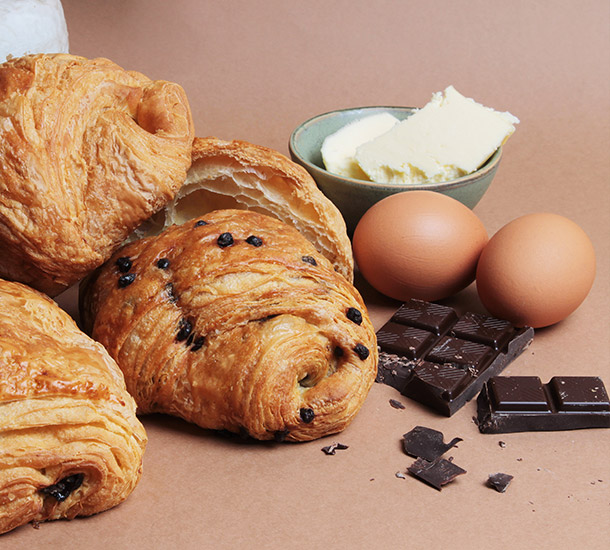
126 280
396 404
400 475
332 449
124 264
362 351
185 327
307 415
254 241
502 444
163 263
224 240
354 315
499 481
199 223
309 260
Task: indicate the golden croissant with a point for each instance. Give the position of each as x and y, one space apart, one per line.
235 322
87 152
70 443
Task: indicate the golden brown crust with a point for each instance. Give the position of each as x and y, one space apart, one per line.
238 174
87 152
64 415
251 336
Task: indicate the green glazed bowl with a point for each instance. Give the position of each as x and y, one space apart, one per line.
354 197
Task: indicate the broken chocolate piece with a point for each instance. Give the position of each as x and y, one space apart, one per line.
499 481
509 404
432 355
436 473
61 490
396 404
426 443
331 449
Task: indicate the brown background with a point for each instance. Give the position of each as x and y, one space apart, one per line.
254 70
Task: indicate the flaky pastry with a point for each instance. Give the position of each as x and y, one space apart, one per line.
87 152
237 174
235 322
70 442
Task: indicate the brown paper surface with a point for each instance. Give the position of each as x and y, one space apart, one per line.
254 71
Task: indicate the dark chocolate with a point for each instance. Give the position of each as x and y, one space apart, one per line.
433 355
396 404
499 481
509 404
426 443
437 473
61 490
333 448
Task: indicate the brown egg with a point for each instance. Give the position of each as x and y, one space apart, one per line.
536 270
418 244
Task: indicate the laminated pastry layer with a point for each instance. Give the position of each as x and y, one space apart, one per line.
87 152
240 175
70 442
234 321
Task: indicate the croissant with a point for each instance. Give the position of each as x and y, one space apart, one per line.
87 152
70 443
235 322
238 174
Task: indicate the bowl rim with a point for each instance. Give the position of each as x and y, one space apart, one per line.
490 164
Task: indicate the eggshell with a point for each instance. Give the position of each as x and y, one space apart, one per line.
536 270
418 244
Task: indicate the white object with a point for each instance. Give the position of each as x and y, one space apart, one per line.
32 26
448 138
339 149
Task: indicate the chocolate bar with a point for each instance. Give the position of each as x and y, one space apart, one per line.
433 355
509 404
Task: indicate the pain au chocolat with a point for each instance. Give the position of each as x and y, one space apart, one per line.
88 151
70 442
240 175
235 322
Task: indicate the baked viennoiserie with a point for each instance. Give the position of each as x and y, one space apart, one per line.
238 174
234 321
87 152
70 443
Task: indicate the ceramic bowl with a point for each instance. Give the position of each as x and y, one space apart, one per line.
354 197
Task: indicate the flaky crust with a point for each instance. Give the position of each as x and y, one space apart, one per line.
87 152
70 443
238 174
260 336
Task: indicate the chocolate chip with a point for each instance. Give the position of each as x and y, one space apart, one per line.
307 415
354 315
185 328
396 404
61 490
163 263
198 343
189 340
126 280
199 223
338 352
309 260
281 435
224 240
124 264
362 351
254 240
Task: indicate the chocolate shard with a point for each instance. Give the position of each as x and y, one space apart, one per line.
436 473
509 404
441 359
333 448
426 443
499 481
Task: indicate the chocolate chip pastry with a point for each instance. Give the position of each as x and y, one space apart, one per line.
88 151
235 322
70 443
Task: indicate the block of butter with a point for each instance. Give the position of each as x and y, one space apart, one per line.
450 137
339 149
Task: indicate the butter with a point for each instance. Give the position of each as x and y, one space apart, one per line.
339 149
448 138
